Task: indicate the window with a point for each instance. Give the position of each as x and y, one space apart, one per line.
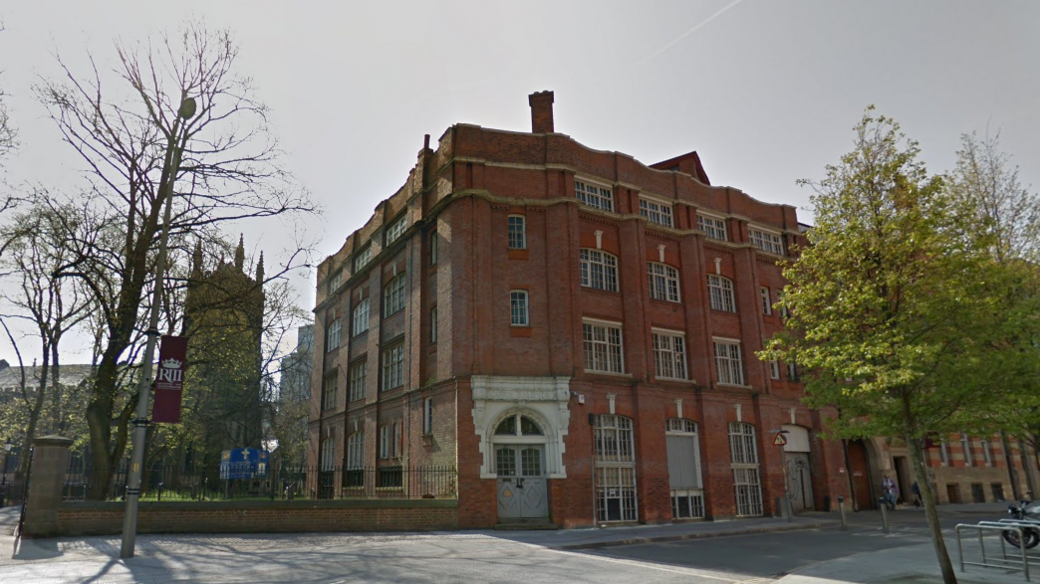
433 247
664 282
684 468
615 468
393 367
517 232
670 355
744 456
335 281
362 257
944 453
728 362
767 304
987 452
328 454
393 296
518 315
433 325
966 446
396 229
766 241
659 213
360 318
384 442
329 391
792 372
713 227
333 335
603 348
396 438
518 425
358 379
594 196
774 369
720 291
599 270
355 473
427 416
784 313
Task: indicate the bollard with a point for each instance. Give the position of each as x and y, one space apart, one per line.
884 514
841 510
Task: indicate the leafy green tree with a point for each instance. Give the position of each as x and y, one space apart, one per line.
895 308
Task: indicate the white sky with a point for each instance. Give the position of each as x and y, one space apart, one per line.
766 91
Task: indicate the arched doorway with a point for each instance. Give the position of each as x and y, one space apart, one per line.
519 447
799 470
862 478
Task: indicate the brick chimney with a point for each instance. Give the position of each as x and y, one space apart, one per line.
541 112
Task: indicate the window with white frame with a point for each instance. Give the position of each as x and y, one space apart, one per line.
766 241
358 379
517 232
428 416
434 244
332 338
335 281
384 442
330 391
518 309
362 258
599 270
594 195
664 281
944 453
684 468
396 229
615 468
713 227
354 476
393 367
393 296
720 293
660 213
966 447
728 362
669 354
774 369
328 454
603 347
747 484
360 318
792 372
784 313
987 452
767 303
396 437
433 325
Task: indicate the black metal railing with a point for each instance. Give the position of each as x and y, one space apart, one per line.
178 482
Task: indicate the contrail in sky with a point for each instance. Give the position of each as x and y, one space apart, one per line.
692 30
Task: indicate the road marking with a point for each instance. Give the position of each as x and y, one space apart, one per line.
644 565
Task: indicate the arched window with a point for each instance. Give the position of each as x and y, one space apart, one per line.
720 290
664 281
519 314
393 296
599 270
518 425
517 232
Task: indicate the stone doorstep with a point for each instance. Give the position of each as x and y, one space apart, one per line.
526 526
750 530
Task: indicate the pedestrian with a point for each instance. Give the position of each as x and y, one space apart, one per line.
891 491
916 490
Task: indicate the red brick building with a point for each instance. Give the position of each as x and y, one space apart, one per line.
572 329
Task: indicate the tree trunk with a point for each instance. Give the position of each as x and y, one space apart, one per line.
921 475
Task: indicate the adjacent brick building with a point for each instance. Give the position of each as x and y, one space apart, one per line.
572 329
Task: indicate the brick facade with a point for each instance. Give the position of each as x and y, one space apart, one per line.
455 256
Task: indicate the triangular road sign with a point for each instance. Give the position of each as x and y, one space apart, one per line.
780 440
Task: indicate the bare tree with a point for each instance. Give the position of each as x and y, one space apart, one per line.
8 141
52 305
125 126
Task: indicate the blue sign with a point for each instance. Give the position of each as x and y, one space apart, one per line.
244 463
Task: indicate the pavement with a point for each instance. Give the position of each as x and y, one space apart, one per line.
577 555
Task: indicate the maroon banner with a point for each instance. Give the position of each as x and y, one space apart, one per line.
169 381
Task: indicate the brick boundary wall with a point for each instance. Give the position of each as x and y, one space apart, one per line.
97 518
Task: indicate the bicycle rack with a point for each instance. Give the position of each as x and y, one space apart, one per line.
1004 562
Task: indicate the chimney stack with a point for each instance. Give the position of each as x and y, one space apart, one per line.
541 112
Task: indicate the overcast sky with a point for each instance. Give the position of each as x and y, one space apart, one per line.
765 91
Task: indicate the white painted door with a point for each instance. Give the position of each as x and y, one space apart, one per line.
521 482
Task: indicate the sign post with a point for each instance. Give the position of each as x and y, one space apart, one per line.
780 440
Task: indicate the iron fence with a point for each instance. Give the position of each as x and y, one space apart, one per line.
164 481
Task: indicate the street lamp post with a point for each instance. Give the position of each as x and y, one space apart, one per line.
169 174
